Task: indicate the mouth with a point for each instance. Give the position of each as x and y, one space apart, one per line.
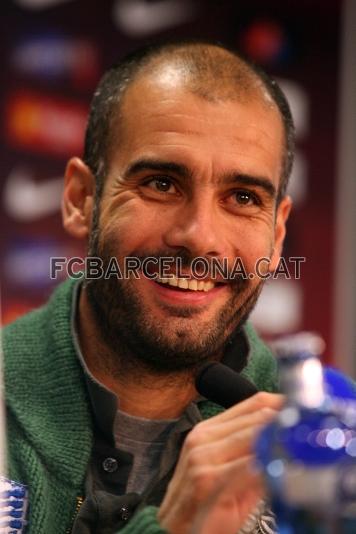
187 285
177 291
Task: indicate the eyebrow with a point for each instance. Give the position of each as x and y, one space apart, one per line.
182 170
157 165
246 179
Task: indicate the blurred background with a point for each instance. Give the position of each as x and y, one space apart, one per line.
53 54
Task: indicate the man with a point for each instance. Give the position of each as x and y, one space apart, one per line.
188 151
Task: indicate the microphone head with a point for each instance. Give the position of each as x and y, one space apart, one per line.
220 384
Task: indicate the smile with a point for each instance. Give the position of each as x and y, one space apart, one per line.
183 283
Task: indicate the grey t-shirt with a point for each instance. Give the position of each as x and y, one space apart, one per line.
146 440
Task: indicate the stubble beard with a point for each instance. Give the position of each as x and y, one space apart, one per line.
136 342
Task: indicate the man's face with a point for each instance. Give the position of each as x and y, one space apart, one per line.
193 178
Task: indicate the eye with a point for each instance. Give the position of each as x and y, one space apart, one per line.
245 198
243 202
162 184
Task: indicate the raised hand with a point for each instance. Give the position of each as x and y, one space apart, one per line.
216 485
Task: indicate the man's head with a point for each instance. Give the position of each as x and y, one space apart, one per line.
188 150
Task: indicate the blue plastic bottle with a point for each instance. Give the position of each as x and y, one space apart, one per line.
308 454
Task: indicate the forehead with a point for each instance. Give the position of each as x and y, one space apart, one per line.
163 115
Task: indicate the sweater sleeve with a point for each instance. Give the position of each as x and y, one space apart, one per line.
144 522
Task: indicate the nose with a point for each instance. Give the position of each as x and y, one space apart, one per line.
197 229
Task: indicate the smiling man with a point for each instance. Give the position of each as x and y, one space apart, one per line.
187 155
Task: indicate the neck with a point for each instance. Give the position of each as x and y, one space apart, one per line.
142 393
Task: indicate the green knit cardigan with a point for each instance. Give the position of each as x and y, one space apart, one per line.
49 424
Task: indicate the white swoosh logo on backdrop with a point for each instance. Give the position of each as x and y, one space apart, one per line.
27 200
138 17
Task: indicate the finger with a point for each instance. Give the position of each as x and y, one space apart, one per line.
252 404
220 452
238 475
210 431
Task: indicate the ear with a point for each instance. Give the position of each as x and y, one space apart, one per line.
283 211
78 198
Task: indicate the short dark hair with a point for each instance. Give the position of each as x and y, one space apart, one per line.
108 96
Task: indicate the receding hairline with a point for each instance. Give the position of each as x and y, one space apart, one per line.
210 70
207 70
241 83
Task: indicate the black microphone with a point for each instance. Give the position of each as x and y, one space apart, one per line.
220 384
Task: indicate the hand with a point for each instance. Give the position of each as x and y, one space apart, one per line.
215 485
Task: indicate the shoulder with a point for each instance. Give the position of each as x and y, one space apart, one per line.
35 327
36 342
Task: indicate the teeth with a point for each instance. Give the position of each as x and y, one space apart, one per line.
183 283
193 285
208 286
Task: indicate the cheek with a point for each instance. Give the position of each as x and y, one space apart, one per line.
253 242
132 227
